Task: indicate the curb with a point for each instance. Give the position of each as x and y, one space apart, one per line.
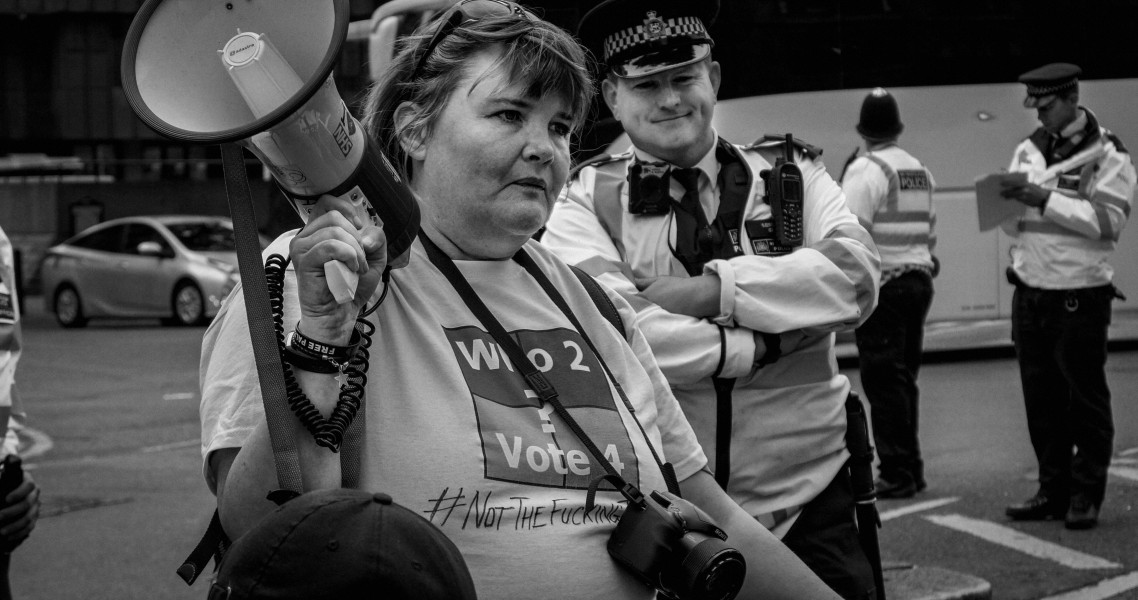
910 582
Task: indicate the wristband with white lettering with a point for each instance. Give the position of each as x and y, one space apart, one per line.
322 350
305 362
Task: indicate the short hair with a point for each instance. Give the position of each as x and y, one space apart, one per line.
535 52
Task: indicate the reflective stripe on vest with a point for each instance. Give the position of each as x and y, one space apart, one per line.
904 219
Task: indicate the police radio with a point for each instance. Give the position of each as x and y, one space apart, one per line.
784 196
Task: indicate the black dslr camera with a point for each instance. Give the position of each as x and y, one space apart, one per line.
673 546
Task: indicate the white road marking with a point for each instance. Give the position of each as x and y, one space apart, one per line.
172 446
918 507
80 460
1128 452
1108 588
37 443
1130 473
1016 540
179 396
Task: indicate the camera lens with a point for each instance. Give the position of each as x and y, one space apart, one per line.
712 570
723 579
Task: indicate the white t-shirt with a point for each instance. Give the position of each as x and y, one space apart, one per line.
11 413
453 433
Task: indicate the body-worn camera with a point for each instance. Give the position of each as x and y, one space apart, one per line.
673 546
648 189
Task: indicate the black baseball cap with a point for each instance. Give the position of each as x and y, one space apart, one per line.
634 38
1048 81
342 544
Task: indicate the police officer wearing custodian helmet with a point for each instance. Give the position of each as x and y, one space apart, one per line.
891 193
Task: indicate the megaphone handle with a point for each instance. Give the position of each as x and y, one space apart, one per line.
342 281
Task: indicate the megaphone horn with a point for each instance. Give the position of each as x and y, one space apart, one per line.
259 73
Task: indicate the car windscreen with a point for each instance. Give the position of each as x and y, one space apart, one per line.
204 237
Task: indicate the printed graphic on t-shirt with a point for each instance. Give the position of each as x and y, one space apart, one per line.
913 179
523 440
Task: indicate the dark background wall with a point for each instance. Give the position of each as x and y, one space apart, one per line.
61 93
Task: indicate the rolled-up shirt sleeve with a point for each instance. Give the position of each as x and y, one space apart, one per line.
828 284
687 349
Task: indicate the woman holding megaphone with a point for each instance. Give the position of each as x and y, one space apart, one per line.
499 403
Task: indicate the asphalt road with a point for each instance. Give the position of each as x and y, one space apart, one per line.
979 459
115 448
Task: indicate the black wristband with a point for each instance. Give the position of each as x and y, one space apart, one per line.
307 346
773 342
310 355
307 363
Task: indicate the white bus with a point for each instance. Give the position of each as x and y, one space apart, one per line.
960 132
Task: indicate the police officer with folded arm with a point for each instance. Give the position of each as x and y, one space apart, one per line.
891 193
1079 189
737 292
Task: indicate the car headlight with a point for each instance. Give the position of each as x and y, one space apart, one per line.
230 271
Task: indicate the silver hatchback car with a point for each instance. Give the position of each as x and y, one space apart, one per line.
174 267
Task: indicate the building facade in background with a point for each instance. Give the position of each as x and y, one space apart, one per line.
62 104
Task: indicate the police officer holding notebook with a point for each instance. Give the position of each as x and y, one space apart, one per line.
741 261
1079 192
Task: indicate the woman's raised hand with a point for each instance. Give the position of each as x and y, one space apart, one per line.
336 233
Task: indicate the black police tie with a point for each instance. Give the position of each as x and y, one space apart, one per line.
1052 144
691 223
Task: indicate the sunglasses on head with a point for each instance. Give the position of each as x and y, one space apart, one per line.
467 11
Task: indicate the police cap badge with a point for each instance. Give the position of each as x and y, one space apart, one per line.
634 38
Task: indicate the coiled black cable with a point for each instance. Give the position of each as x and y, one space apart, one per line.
328 433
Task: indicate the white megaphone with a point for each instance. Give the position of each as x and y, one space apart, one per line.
259 73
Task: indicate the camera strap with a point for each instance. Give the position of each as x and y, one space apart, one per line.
534 377
527 262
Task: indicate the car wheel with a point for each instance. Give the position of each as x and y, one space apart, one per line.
68 307
188 304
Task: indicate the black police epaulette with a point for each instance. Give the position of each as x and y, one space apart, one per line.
1117 142
772 140
1039 137
597 161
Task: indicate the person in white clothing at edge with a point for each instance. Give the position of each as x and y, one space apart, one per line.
477 113
1079 189
738 301
19 506
891 193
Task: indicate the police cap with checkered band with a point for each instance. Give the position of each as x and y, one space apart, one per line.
1047 82
635 38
